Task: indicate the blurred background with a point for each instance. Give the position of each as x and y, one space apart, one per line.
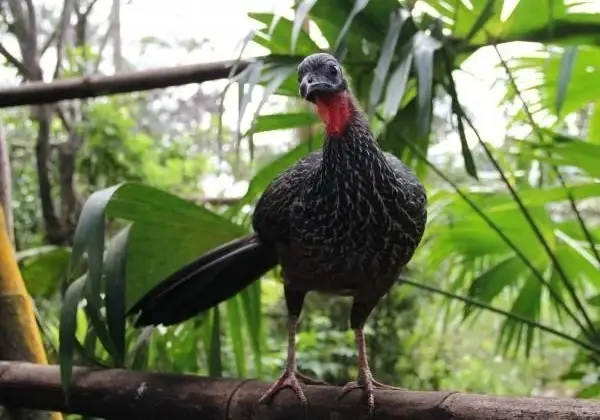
495 105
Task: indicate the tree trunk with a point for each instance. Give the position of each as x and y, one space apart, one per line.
54 231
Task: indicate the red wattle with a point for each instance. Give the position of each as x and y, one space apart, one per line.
334 111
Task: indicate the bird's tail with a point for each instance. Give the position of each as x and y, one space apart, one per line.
214 277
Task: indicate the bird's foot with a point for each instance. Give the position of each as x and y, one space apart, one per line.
369 385
290 378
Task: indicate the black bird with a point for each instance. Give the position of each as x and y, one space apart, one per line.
343 220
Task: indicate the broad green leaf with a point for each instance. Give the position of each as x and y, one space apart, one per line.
564 76
116 264
358 6
89 238
424 47
68 325
396 87
386 55
283 121
161 220
301 14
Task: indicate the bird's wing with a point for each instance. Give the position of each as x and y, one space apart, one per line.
271 219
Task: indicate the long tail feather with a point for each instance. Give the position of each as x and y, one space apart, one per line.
211 279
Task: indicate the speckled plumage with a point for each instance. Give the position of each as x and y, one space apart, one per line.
344 219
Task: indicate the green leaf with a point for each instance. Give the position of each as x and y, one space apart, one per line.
162 220
283 121
358 6
397 86
68 325
590 391
564 77
276 78
235 330
42 269
397 19
484 16
488 285
278 38
89 238
215 368
457 109
424 47
527 305
251 307
116 262
570 151
246 88
301 14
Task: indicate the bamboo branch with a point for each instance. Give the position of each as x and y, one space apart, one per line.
117 393
92 86
6 187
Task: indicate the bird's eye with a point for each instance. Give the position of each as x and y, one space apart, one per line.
333 70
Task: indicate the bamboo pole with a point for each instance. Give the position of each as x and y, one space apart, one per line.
125 394
20 338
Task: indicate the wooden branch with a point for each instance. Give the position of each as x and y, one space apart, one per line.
92 86
11 59
123 394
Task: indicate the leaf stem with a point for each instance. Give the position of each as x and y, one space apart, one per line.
475 302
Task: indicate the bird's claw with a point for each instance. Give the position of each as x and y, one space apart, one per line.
288 378
369 385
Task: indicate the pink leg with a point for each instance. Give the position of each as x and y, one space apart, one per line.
365 377
289 377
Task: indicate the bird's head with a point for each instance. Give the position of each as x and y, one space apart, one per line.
322 82
320 76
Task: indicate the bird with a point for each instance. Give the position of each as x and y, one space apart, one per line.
343 220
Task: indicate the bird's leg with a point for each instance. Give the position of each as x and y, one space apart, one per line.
365 378
290 377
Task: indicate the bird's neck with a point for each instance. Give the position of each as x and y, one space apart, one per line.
336 111
350 147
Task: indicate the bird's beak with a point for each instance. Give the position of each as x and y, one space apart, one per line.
314 85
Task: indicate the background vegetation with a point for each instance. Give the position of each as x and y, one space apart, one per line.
504 291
